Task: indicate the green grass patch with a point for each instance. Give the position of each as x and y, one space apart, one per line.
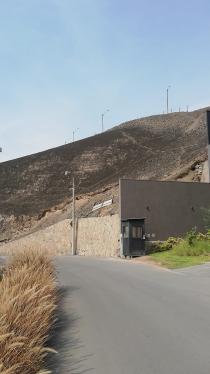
171 260
197 248
175 253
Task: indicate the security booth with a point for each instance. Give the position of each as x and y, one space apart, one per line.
133 237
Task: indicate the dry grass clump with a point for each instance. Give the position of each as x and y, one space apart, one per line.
27 305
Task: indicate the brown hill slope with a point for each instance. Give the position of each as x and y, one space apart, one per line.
157 147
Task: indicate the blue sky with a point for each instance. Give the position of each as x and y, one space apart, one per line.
64 62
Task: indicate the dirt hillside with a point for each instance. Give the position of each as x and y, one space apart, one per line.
34 190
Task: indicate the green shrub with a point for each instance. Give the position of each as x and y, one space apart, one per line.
191 236
171 242
208 234
164 246
201 236
193 244
198 248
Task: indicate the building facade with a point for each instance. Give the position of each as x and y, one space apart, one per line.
155 210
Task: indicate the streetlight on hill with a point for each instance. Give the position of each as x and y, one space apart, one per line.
74 131
168 98
102 120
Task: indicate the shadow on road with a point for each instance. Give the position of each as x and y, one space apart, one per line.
63 340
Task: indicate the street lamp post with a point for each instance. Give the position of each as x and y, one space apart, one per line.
168 98
73 214
102 120
74 131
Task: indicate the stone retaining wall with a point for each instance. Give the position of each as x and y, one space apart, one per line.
97 236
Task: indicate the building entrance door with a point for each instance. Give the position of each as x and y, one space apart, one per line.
133 237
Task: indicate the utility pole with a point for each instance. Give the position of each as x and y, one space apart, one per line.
73 217
168 98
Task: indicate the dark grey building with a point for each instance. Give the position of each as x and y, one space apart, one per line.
154 210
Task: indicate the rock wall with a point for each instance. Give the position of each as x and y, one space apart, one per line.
97 236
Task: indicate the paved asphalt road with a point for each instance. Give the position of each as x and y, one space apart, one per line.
123 318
